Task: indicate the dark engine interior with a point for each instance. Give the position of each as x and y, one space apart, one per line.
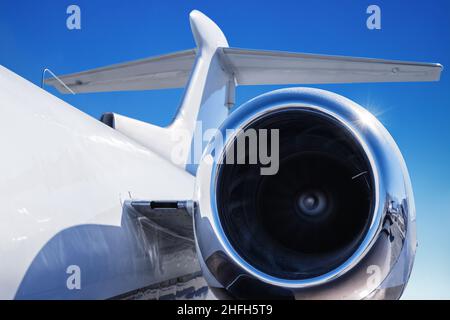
312 215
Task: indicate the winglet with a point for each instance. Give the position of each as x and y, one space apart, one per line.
205 98
204 104
208 38
206 33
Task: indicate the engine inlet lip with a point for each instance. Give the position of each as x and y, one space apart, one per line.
369 237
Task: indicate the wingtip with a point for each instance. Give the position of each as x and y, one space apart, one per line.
205 31
196 17
439 73
195 13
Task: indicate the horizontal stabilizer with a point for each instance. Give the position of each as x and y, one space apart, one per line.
249 67
160 72
255 67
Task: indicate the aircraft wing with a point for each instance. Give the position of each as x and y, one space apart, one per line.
256 67
160 72
249 67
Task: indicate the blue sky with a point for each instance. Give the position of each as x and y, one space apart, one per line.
34 36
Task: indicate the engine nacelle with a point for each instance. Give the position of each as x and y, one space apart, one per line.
336 221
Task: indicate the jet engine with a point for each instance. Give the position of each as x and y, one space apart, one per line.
335 220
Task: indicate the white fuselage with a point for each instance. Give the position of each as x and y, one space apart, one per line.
64 178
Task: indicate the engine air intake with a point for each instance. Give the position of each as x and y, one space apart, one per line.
312 215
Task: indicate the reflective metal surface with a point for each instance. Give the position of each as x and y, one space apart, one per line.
379 268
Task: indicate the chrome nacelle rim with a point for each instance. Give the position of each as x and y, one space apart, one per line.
389 172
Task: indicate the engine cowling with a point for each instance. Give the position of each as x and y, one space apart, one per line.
336 220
